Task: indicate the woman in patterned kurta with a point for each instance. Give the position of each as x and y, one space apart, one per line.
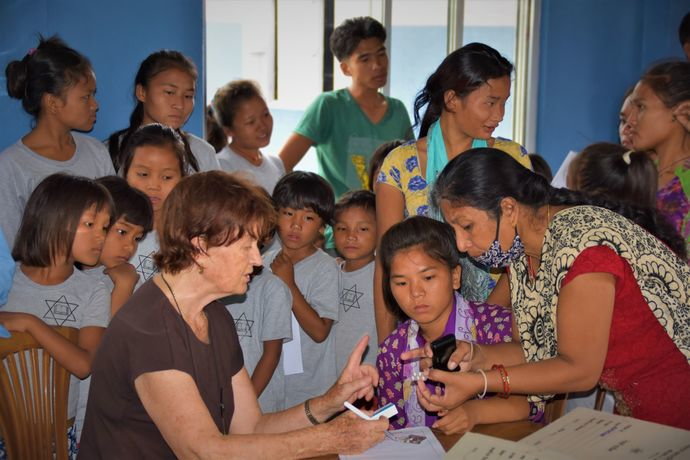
421 273
595 297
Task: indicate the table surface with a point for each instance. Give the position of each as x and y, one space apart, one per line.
512 431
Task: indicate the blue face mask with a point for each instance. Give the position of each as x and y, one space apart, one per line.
495 257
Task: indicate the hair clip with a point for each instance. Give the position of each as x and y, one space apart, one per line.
626 157
31 51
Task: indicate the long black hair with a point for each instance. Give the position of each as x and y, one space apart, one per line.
482 177
155 63
463 71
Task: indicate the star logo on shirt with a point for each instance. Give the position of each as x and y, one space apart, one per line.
244 326
60 311
146 268
349 298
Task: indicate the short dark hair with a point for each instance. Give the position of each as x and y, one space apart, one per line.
346 37
434 237
684 29
377 158
216 206
364 199
131 204
157 135
305 190
50 68
52 215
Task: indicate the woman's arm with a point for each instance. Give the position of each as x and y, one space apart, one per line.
263 372
189 430
390 206
482 411
585 309
293 150
76 358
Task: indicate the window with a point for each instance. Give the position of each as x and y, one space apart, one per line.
280 44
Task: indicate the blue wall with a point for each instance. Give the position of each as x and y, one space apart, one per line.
115 35
591 51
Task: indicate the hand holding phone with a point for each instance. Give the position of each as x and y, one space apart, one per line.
442 349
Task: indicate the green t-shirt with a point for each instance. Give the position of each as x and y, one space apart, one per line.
345 138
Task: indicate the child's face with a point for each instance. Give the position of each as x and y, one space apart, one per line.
298 228
121 243
252 125
355 234
155 170
90 236
77 107
168 98
651 122
423 287
624 130
368 64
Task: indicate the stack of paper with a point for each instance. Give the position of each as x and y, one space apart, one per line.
582 434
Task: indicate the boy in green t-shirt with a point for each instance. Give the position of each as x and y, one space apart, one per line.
348 124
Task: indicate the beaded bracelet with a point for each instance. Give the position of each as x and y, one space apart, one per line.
504 377
310 416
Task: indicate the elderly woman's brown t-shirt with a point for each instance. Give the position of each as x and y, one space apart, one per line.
148 335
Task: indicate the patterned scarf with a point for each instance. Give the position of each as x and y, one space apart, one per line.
662 278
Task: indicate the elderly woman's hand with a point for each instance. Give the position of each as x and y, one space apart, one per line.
349 434
356 381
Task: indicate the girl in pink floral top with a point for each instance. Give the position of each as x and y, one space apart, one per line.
421 274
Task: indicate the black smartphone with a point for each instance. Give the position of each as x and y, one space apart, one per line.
442 348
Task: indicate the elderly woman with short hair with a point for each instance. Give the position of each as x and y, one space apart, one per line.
169 381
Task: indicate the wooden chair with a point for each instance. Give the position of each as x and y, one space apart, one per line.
555 407
33 398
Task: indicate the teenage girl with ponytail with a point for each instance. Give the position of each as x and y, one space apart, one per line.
164 89
57 87
600 293
465 101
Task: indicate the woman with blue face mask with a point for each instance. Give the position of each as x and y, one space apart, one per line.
600 293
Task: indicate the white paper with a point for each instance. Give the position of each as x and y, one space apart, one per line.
560 178
292 351
589 434
428 449
475 446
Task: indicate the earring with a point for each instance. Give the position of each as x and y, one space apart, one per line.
201 270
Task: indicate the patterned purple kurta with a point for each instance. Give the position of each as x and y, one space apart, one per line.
673 200
487 324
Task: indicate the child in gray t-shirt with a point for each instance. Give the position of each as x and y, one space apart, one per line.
57 86
64 223
263 322
305 206
354 233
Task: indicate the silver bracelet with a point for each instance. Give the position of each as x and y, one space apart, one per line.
486 384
